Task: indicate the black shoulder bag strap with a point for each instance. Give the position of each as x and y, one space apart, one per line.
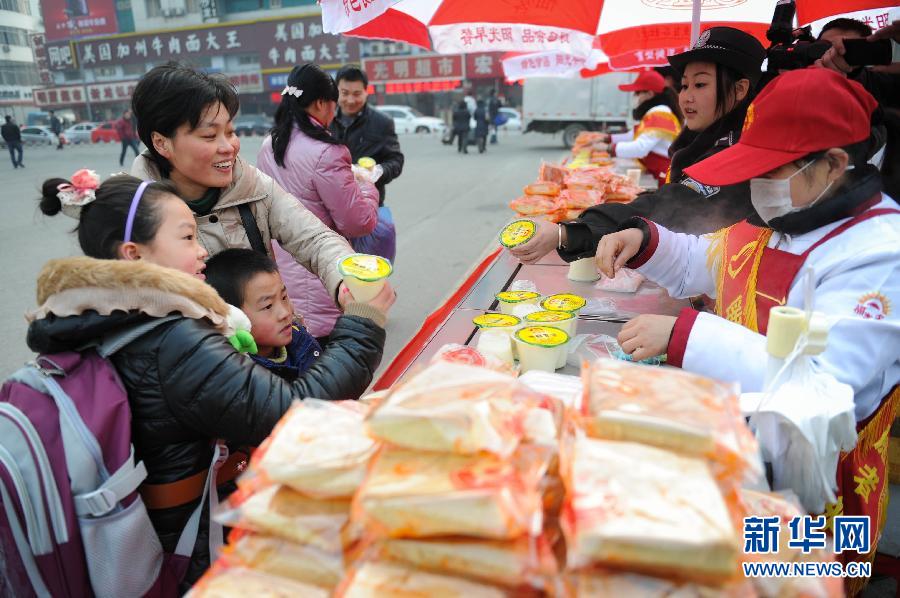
253 234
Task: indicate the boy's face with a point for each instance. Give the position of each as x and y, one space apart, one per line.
267 305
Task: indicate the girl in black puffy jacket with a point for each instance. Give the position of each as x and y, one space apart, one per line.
186 384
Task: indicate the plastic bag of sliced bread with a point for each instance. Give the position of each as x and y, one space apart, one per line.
379 579
239 582
417 494
457 408
670 409
283 558
542 188
525 562
599 583
319 448
786 507
283 512
638 507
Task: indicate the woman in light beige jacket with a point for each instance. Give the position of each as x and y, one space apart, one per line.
185 120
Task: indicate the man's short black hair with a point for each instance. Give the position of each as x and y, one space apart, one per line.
8 118
845 24
229 272
351 72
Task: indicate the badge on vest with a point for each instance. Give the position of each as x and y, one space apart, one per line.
698 187
873 306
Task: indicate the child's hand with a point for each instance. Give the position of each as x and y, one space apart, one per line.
616 249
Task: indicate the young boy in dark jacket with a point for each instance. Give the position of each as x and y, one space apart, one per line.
250 281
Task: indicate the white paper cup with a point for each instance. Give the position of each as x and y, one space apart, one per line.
496 342
364 275
539 347
583 270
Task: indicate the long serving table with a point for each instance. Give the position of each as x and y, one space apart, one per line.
452 322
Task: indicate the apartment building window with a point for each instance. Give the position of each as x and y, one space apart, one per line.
12 73
154 8
19 6
12 36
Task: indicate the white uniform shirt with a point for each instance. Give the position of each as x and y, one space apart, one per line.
651 141
857 277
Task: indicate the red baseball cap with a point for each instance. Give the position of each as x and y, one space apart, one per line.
798 113
646 81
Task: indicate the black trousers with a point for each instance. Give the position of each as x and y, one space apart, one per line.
15 147
126 143
462 140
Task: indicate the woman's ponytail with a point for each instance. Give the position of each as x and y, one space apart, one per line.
50 203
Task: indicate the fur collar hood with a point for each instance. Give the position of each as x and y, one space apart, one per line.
71 286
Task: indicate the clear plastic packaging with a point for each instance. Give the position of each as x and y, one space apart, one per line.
319 448
671 409
622 583
424 495
453 408
626 281
543 188
641 508
380 579
284 513
275 556
239 582
552 172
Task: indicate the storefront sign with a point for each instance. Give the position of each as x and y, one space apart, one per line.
484 65
280 44
65 19
59 96
247 82
119 91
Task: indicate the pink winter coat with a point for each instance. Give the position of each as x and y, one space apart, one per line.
319 175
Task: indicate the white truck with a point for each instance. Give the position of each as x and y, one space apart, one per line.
551 105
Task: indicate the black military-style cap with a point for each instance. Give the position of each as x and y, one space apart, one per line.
725 45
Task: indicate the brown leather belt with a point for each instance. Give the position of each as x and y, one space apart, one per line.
182 492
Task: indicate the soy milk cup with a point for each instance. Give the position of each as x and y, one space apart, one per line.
564 302
539 347
563 320
364 275
504 323
517 232
583 270
509 299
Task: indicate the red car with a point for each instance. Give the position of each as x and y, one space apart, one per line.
105 133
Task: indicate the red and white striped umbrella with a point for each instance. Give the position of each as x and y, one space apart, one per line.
633 33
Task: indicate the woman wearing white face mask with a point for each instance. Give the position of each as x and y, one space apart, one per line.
819 204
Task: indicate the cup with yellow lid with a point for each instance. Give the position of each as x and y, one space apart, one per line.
507 300
517 232
564 302
539 347
364 275
563 320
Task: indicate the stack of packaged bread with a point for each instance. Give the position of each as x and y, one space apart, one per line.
563 193
461 481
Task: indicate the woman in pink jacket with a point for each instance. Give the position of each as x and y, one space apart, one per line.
303 157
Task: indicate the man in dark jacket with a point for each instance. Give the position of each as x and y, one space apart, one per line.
365 132
56 127
13 138
127 135
368 133
493 106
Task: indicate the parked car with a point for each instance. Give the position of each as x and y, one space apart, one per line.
409 120
252 124
513 119
39 136
105 133
80 133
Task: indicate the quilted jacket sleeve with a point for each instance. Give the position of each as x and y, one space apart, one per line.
352 205
223 394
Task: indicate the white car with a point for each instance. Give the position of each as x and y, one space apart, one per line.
409 120
80 133
38 136
513 120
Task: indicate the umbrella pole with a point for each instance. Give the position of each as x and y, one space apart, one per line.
695 21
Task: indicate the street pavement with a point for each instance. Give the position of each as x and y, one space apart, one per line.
448 210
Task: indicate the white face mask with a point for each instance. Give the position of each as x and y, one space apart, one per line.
771 198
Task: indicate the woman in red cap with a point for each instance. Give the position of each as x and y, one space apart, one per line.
818 204
718 76
659 123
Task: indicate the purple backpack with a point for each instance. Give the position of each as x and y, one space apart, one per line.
71 520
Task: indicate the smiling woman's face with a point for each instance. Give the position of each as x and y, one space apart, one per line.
203 157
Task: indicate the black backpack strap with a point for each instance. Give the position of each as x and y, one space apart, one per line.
253 234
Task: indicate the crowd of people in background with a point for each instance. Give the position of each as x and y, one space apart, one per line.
484 113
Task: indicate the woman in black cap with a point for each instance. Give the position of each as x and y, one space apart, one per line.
718 76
